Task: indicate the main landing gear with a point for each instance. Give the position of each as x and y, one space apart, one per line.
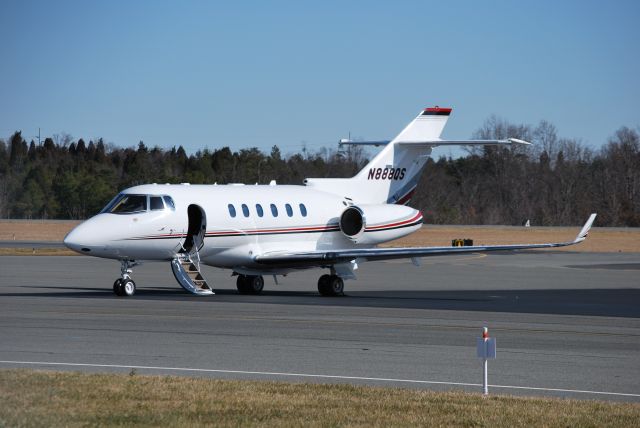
331 285
124 286
249 284
328 285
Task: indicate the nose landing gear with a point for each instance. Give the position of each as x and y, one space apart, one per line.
124 286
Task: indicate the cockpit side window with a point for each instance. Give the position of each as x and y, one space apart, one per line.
128 204
155 203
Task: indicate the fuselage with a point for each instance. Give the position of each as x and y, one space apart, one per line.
235 223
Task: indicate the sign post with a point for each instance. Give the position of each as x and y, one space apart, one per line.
486 350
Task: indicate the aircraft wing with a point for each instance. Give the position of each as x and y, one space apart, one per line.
330 257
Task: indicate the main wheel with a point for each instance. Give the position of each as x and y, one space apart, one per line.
128 288
117 287
242 284
323 285
331 285
255 284
336 285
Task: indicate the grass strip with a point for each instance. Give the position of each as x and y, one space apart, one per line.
46 398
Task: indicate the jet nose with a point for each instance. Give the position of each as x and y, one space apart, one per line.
73 241
84 237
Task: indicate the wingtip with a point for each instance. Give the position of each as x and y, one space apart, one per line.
585 229
518 141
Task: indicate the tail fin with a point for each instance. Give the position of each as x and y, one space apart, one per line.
393 174
427 126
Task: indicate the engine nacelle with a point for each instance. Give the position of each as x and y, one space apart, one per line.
373 224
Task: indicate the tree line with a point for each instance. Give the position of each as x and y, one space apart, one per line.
556 181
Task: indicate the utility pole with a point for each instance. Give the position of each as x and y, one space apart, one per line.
37 136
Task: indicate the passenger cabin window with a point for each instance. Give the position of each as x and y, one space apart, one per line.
259 210
168 200
289 210
128 204
155 202
245 210
303 210
232 210
274 210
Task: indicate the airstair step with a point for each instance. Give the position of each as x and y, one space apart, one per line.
189 277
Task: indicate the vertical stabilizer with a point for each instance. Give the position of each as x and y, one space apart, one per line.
427 126
393 174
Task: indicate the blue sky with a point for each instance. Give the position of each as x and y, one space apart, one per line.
209 74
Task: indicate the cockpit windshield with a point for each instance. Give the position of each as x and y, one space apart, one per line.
130 204
126 203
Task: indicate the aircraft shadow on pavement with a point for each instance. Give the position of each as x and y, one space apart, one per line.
620 302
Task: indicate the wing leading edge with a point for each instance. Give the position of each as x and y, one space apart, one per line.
324 258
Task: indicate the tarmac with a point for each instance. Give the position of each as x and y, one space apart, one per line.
31 244
566 324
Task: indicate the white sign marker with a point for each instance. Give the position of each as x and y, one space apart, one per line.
486 350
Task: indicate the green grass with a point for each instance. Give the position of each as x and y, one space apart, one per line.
42 398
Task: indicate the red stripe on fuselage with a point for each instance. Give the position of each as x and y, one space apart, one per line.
399 223
247 232
278 230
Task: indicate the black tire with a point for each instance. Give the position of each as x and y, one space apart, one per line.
117 287
336 286
242 284
128 288
255 284
323 285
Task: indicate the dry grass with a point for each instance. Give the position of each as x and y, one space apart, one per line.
599 240
37 252
37 398
35 230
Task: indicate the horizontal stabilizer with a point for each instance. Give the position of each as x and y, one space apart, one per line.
436 143
405 156
346 141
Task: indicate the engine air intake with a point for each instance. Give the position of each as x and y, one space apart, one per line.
352 222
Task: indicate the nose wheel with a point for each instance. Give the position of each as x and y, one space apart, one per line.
331 285
124 286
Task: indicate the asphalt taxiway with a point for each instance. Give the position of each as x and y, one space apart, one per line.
566 324
31 244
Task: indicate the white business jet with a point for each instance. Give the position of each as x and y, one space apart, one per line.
329 223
